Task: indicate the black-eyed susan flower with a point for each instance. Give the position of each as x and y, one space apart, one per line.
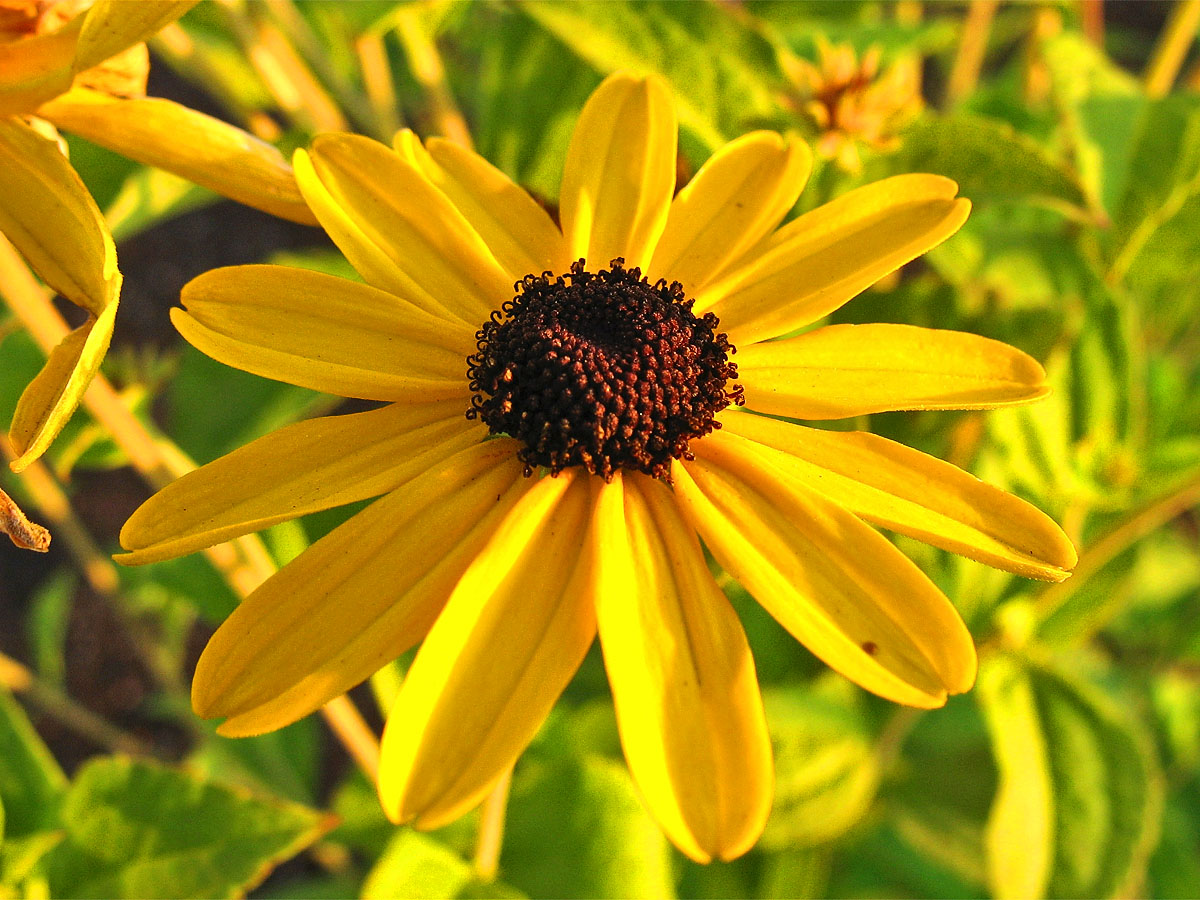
552 456
80 66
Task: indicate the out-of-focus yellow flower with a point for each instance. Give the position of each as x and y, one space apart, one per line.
616 397
82 66
852 103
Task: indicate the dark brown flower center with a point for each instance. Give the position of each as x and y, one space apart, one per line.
602 370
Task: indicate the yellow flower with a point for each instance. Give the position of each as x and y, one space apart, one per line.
53 59
495 543
851 103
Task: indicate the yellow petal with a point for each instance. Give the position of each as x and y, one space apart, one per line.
297 470
913 493
36 68
109 26
511 636
358 597
324 333
518 231
50 217
736 199
620 172
850 370
817 262
415 225
50 399
837 585
367 257
192 145
683 681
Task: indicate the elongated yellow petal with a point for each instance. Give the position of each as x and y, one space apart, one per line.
849 370
36 68
358 597
109 26
683 681
413 223
367 257
817 262
50 217
520 234
913 493
297 470
324 333
197 147
620 172
511 636
837 585
49 400
736 199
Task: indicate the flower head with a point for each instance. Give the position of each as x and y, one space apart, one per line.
852 103
564 427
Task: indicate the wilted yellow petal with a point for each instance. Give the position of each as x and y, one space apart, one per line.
620 172
297 470
683 681
915 494
358 597
817 262
50 217
325 333
36 68
197 147
109 26
736 199
850 370
838 586
50 399
511 636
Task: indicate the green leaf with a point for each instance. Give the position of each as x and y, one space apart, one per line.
416 866
49 617
31 783
826 769
796 874
1164 174
989 160
206 429
577 829
1020 832
524 98
725 76
150 196
1100 104
137 829
283 762
1076 813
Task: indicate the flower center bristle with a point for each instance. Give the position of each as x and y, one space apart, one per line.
601 370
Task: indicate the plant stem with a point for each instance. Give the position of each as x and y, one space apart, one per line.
20 680
243 562
1172 47
426 64
1146 520
972 46
100 572
1092 13
491 829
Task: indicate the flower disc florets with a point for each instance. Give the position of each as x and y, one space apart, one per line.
602 370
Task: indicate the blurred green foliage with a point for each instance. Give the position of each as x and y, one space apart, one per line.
1073 769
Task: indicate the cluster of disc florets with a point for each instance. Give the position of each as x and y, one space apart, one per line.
602 370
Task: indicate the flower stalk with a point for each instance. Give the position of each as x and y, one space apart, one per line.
243 562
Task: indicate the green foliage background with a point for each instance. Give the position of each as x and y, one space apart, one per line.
1072 770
